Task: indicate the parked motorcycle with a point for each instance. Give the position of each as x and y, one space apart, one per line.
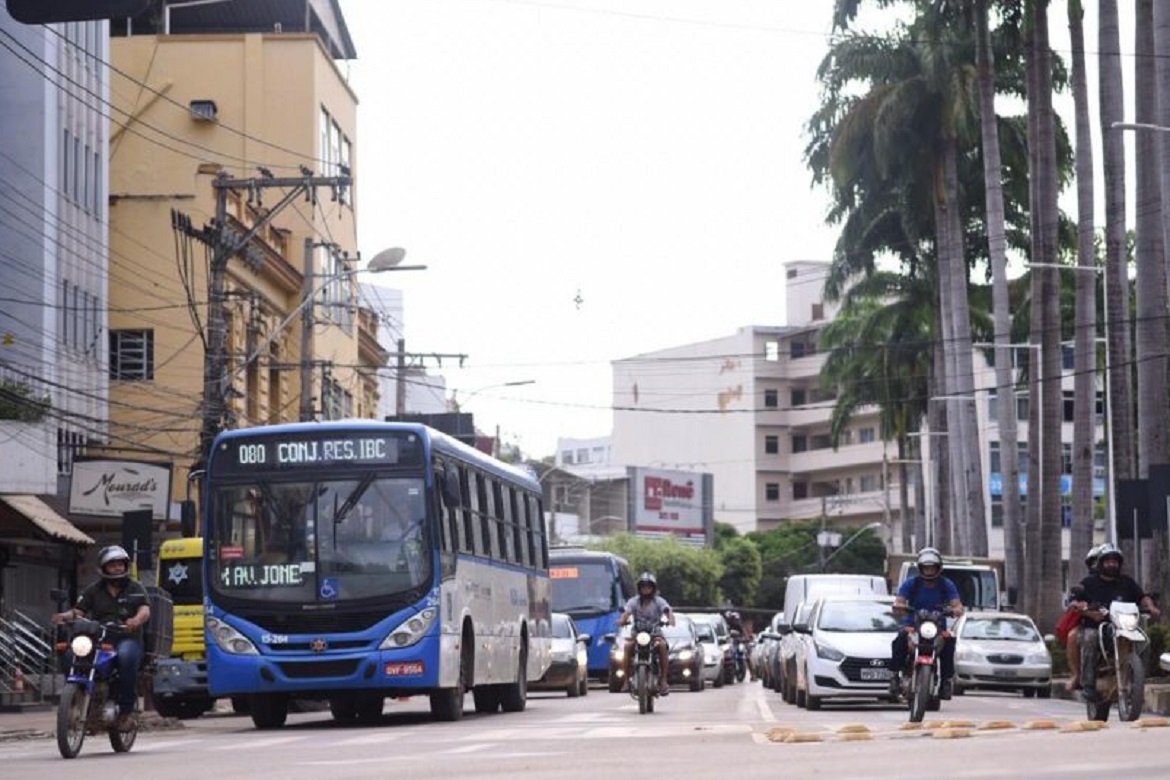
86 705
646 671
1121 645
920 684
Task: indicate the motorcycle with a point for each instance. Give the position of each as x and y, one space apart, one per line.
1120 660
86 706
646 671
920 685
739 654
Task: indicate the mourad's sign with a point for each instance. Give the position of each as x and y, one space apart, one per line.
111 487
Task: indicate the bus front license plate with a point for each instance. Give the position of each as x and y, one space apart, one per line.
404 668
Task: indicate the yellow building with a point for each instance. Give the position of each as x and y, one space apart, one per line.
244 107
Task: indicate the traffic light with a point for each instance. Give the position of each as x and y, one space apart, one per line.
50 11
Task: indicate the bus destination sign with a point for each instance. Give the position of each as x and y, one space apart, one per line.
314 450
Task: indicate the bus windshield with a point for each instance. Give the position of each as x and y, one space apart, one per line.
296 541
582 588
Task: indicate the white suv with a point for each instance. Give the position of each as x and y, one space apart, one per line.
846 652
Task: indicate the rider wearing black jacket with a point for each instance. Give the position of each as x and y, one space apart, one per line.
1101 588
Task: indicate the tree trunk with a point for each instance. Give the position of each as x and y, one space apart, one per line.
939 521
1013 543
1151 335
1085 381
1048 605
905 523
1119 355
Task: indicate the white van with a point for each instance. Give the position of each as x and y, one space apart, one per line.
806 588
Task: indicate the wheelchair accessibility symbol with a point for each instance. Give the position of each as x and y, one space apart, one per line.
328 589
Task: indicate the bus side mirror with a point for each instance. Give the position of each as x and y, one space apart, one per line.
449 485
187 518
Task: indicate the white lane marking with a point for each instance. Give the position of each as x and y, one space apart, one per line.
371 739
470 748
150 746
253 744
765 710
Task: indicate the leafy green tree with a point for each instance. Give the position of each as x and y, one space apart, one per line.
724 533
742 571
687 576
18 401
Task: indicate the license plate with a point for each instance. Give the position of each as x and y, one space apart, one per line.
876 674
1005 672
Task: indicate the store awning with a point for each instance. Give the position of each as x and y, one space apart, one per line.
43 517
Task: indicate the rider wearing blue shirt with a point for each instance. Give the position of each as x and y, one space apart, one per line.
929 591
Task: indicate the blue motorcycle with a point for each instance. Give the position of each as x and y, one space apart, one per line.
86 705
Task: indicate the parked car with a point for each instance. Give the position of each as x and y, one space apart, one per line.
1001 651
768 649
788 653
685 654
713 652
570 662
847 650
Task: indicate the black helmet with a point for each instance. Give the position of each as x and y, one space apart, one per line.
1108 550
647 578
928 556
110 554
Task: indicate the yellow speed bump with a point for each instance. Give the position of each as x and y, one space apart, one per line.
997 725
853 728
1151 723
856 736
779 733
796 738
958 724
1041 725
911 727
947 733
1083 725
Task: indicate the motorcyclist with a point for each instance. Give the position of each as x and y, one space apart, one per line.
116 598
930 591
1106 585
1072 645
651 607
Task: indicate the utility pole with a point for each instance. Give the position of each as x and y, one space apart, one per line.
400 381
227 242
307 315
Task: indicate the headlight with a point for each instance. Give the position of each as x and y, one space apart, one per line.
562 655
968 656
928 630
618 653
1038 658
685 655
81 646
411 630
643 638
828 652
228 639
1127 621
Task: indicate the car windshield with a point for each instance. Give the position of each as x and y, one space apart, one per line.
292 541
857 616
1004 629
680 630
705 632
561 628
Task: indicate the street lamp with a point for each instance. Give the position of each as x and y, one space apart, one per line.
867 527
478 390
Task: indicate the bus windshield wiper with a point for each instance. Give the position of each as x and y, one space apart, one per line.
340 512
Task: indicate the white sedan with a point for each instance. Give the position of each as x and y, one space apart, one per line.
847 655
1000 651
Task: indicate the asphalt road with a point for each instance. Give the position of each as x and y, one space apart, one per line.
738 730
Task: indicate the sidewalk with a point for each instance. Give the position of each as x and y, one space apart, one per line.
39 721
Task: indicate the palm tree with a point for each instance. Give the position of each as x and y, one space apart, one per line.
1085 321
1151 335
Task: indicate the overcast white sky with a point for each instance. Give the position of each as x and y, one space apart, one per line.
646 155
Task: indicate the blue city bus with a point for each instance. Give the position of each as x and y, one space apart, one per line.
593 587
352 561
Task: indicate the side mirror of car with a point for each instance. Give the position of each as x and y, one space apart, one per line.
801 628
1164 662
1049 639
584 638
609 638
784 629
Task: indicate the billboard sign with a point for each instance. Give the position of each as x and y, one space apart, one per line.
674 502
110 488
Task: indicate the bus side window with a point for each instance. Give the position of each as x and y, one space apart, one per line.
538 513
515 529
484 508
534 523
503 532
467 540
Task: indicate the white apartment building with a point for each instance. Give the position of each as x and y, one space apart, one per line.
749 409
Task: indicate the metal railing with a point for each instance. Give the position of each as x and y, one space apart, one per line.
27 660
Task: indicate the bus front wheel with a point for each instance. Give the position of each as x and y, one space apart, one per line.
269 710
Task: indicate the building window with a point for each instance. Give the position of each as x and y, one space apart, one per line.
771 445
772 491
132 355
799 490
868 483
772 351
771 399
799 443
866 436
799 397
567 457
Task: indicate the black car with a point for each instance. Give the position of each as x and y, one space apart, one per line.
568 669
685 656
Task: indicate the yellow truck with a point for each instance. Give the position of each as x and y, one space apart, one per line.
180 681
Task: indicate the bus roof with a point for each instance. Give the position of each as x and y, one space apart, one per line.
582 554
435 440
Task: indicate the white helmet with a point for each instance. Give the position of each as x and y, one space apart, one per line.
928 556
109 555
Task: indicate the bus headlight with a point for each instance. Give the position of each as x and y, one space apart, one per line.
81 646
229 639
411 630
